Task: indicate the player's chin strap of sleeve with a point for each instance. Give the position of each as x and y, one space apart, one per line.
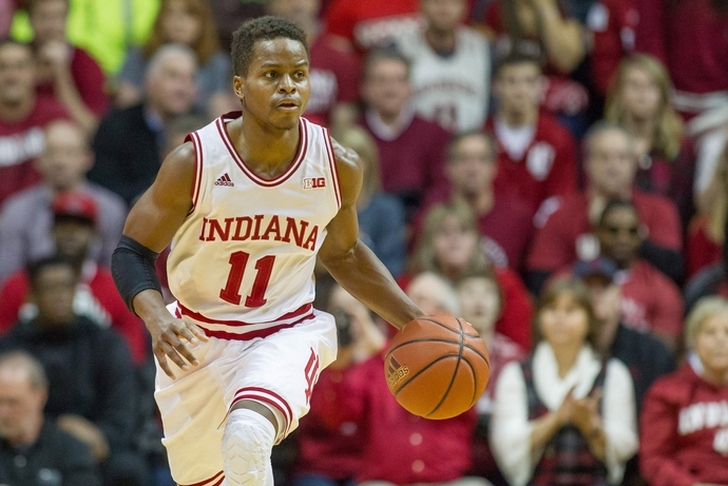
132 266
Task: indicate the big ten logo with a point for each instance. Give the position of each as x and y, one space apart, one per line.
314 182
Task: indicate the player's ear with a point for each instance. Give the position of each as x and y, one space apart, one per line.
238 87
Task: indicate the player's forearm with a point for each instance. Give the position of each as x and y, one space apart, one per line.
362 274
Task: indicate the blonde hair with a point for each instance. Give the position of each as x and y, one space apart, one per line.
669 127
424 257
703 310
206 45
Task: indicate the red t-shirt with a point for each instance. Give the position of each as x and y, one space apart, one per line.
700 250
21 142
374 23
650 300
684 431
689 36
334 76
547 167
612 25
557 244
107 308
89 79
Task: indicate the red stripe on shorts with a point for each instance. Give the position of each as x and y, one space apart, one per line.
208 481
301 311
261 394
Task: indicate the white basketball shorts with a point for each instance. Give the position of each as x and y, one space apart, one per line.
278 371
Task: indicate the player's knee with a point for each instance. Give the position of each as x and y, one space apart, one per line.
246 447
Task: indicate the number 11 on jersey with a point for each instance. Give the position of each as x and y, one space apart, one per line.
238 263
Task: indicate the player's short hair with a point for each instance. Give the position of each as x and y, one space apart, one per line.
267 27
455 140
19 359
385 54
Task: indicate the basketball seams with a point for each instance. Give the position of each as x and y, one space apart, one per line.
447 327
441 341
454 372
424 368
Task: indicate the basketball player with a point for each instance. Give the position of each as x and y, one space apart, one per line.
248 202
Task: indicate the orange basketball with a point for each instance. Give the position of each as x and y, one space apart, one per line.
437 366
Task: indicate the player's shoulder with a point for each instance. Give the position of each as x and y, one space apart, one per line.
350 170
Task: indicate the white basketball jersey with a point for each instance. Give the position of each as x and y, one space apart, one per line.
452 90
243 259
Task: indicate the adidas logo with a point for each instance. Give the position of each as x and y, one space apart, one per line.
395 372
224 180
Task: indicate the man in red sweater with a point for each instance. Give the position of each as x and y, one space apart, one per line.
536 155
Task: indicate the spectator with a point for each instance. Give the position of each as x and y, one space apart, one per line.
23 115
563 235
650 302
130 143
480 301
64 71
505 222
334 70
536 155
540 29
75 216
434 294
411 149
706 232
230 14
330 448
92 387
33 451
103 28
381 215
612 25
450 67
684 420
63 164
564 415
189 23
644 355
639 100
450 246
373 24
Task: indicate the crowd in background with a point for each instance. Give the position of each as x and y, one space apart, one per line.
553 171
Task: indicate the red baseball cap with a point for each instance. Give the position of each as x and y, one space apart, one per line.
76 205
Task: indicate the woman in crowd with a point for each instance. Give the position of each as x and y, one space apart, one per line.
639 100
187 22
564 416
684 419
450 245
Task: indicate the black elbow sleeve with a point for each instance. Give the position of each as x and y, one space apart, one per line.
132 266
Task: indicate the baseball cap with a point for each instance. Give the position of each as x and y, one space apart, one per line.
600 266
75 205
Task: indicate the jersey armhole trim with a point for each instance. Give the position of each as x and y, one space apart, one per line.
333 167
194 137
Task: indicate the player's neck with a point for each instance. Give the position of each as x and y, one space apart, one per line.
17 111
267 152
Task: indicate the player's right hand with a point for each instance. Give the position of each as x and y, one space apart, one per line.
170 338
